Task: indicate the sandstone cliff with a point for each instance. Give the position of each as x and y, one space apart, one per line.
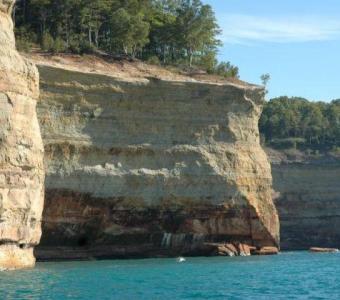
21 152
307 199
146 167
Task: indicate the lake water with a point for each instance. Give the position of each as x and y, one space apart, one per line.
291 275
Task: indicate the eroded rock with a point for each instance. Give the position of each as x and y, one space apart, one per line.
323 250
237 249
148 167
267 251
245 250
21 152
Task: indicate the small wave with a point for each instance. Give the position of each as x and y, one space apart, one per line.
181 259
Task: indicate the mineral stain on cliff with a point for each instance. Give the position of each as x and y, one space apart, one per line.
21 152
150 167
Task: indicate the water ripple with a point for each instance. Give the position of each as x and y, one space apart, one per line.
298 275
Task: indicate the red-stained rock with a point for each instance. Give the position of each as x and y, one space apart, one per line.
244 250
228 249
223 250
232 248
267 251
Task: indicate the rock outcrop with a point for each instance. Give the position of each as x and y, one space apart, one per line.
150 167
308 200
267 251
323 250
21 152
228 249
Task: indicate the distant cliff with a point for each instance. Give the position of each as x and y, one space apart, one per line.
146 167
21 152
307 199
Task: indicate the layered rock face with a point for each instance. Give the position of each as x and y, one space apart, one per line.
21 152
308 202
150 167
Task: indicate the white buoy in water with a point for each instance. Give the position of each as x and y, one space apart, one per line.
181 259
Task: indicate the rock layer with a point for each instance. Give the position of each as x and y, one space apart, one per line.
308 201
150 167
21 152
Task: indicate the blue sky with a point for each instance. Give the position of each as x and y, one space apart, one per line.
296 41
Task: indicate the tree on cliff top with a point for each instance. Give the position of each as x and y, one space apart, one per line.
178 32
197 28
129 31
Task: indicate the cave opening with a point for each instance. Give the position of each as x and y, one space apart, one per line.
82 242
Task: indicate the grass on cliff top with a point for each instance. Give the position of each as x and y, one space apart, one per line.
125 68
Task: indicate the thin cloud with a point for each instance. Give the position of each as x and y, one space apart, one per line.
246 29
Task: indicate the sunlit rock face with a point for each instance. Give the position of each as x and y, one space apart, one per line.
149 167
21 152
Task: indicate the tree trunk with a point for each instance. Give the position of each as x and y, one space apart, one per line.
90 36
133 54
125 50
164 54
96 34
190 54
43 27
190 59
67 35
173 54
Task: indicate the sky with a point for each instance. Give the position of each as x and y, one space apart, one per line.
296 41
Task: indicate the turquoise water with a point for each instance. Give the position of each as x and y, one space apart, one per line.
295 275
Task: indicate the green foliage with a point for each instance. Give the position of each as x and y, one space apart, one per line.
226 69
58 46
175 31
335 151
197 28
47 42
286 121
24 39
153 60
288 143
129 31
265 78
207 62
